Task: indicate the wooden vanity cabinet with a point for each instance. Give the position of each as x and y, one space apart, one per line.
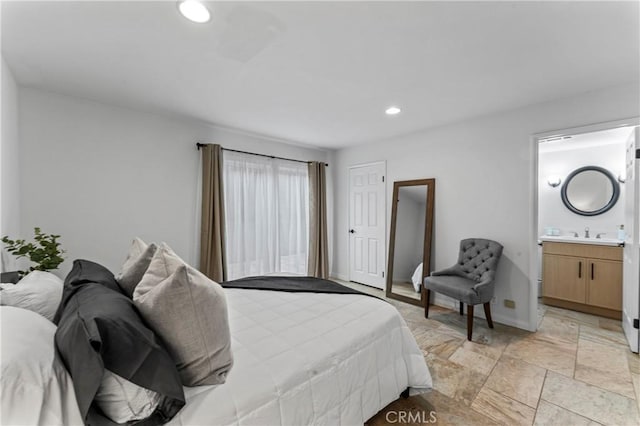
563 278
604 284
583 277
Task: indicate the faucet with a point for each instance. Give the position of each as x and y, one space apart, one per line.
586 232
601 234
575 234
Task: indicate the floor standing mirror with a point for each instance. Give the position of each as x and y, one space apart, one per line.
410 239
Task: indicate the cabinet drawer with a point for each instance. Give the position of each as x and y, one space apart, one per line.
583 250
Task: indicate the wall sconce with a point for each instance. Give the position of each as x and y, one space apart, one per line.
622 177
554 180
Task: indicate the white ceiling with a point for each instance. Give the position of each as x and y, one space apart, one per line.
323 73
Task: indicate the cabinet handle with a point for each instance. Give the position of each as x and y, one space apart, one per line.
592 271
579 269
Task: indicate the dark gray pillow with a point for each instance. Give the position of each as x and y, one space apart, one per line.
98 328
9 277
84 272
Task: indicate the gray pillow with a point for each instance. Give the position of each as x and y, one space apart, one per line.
189 312
135 265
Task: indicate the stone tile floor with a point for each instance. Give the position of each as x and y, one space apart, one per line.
575 370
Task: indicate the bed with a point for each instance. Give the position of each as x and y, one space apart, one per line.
299 358
308 358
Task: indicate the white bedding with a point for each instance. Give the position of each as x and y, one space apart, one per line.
306 358
35 387
300 358
416 278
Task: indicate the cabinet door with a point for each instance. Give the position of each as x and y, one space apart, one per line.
563 277
604 281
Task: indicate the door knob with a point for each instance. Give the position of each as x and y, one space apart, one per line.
351 231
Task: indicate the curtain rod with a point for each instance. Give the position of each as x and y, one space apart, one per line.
200 145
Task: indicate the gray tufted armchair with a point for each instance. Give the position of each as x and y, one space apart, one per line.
470 280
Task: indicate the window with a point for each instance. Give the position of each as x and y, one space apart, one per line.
267 215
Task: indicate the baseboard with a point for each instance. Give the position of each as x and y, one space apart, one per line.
512 322
449 303
581 307
339 276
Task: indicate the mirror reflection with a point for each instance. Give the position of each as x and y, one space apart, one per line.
409 250
411 224
590 191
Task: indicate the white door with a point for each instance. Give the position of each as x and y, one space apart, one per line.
367 248
631 271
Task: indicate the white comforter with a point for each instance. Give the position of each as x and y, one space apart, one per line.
35 387
305 358
300 358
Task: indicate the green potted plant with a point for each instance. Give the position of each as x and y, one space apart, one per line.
45 252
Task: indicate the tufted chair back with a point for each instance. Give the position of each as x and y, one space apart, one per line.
478 259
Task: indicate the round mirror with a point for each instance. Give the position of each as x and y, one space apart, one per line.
590 191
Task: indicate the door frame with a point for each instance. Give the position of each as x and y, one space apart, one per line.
533 200
629 326
386 245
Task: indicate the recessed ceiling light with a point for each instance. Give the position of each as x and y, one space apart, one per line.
194 11
393 110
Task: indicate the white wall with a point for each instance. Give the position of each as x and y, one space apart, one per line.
100 175
484 170
552 211
9 163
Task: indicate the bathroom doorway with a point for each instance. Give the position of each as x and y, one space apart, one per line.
580 217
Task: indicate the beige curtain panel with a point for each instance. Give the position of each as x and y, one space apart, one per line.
318 261
212 256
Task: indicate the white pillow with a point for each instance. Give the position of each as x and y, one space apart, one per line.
123 401
38 291
35 386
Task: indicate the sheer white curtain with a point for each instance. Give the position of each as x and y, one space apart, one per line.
267 215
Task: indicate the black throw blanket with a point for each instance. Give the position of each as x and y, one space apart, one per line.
291 284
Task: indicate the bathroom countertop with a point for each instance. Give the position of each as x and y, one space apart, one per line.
580 240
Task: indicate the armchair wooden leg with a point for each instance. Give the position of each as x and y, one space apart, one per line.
487 313
469 321
426 303
461 308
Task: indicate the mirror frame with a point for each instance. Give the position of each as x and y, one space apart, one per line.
612 202
428 235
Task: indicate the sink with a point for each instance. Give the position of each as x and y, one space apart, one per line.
581 240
